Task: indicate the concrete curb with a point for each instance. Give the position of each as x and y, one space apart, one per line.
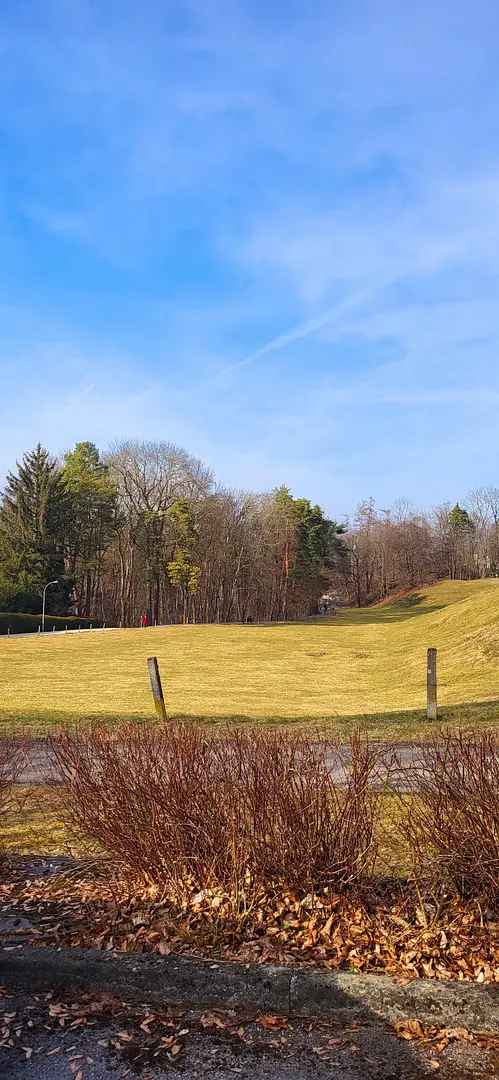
182 980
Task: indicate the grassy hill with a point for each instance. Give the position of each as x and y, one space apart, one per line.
364 666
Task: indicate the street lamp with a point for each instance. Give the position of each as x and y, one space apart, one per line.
49 583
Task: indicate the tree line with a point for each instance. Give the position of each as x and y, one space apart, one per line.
400 548
143 528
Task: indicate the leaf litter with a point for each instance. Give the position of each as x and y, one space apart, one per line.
388 932
141 1037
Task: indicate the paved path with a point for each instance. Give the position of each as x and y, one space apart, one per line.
41 769
49 634
219 1045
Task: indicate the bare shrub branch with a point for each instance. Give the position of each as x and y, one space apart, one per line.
12 763
452 819
239 809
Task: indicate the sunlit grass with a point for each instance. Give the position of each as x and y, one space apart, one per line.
362 668
33 825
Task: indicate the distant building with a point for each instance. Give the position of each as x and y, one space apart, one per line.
327 604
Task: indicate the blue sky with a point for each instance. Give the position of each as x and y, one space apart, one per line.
266 231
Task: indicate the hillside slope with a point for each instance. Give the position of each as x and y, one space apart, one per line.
365 665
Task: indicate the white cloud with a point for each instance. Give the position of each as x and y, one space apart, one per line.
438 255
290 220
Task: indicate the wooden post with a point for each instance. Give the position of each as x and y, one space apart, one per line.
156 687
431 685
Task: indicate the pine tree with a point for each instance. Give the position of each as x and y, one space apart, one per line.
459 519
460 544
308 546
32 523
90 522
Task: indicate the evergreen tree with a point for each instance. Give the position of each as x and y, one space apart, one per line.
307 545
460 544
33 519
317 540
90 522
459 519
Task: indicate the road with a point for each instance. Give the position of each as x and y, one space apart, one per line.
101 1039
40 768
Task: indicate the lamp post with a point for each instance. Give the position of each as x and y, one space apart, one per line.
49 583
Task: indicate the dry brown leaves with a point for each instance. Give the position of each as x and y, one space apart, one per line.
141 1036
437 1039
271 1023
138 1037
392 934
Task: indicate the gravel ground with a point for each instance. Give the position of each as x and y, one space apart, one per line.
96 1037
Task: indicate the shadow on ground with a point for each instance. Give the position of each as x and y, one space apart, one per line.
349 1042
233 1044
399 724
393 613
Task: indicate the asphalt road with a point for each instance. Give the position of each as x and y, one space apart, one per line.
219 1045
41 769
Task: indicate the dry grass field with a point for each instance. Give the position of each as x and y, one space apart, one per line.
361 668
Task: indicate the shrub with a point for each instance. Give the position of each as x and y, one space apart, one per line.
452 821
242 808
12 760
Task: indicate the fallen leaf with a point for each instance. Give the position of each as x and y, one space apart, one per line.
212 1019
409 1029
271 1022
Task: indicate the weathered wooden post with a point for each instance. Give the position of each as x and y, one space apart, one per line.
431 685
156 687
